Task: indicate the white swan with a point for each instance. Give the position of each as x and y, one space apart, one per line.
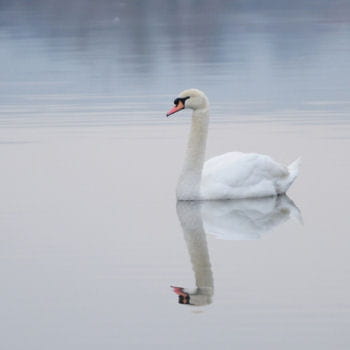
228 176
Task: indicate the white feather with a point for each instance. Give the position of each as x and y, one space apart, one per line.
245 175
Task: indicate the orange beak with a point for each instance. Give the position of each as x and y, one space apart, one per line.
175 109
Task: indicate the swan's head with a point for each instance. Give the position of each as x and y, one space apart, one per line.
191 98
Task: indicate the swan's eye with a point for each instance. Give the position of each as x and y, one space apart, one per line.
182 99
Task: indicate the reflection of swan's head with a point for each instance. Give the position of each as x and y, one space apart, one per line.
196 297
191 98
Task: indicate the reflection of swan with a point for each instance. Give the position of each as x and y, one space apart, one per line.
243 219
231 175
191 222
239 219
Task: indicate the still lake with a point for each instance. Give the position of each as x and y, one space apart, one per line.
92 238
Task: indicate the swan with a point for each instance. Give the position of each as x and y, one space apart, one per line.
232 175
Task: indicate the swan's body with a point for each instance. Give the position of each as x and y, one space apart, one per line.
241 175
228 176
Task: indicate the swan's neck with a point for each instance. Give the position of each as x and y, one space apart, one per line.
188 187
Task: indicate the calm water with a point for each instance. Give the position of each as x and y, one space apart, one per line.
92 238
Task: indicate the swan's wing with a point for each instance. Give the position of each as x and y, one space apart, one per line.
237 169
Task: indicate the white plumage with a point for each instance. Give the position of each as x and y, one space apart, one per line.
228 176
241 175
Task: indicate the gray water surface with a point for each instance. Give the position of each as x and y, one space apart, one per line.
92 238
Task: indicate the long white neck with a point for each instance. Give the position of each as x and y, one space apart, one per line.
188 187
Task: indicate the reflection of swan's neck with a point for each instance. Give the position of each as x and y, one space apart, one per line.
189 182
191 221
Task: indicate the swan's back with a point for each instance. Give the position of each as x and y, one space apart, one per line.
243 175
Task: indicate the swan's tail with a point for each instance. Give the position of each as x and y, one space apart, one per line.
293 170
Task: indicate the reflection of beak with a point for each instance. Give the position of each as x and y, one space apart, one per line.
175 109
178 290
